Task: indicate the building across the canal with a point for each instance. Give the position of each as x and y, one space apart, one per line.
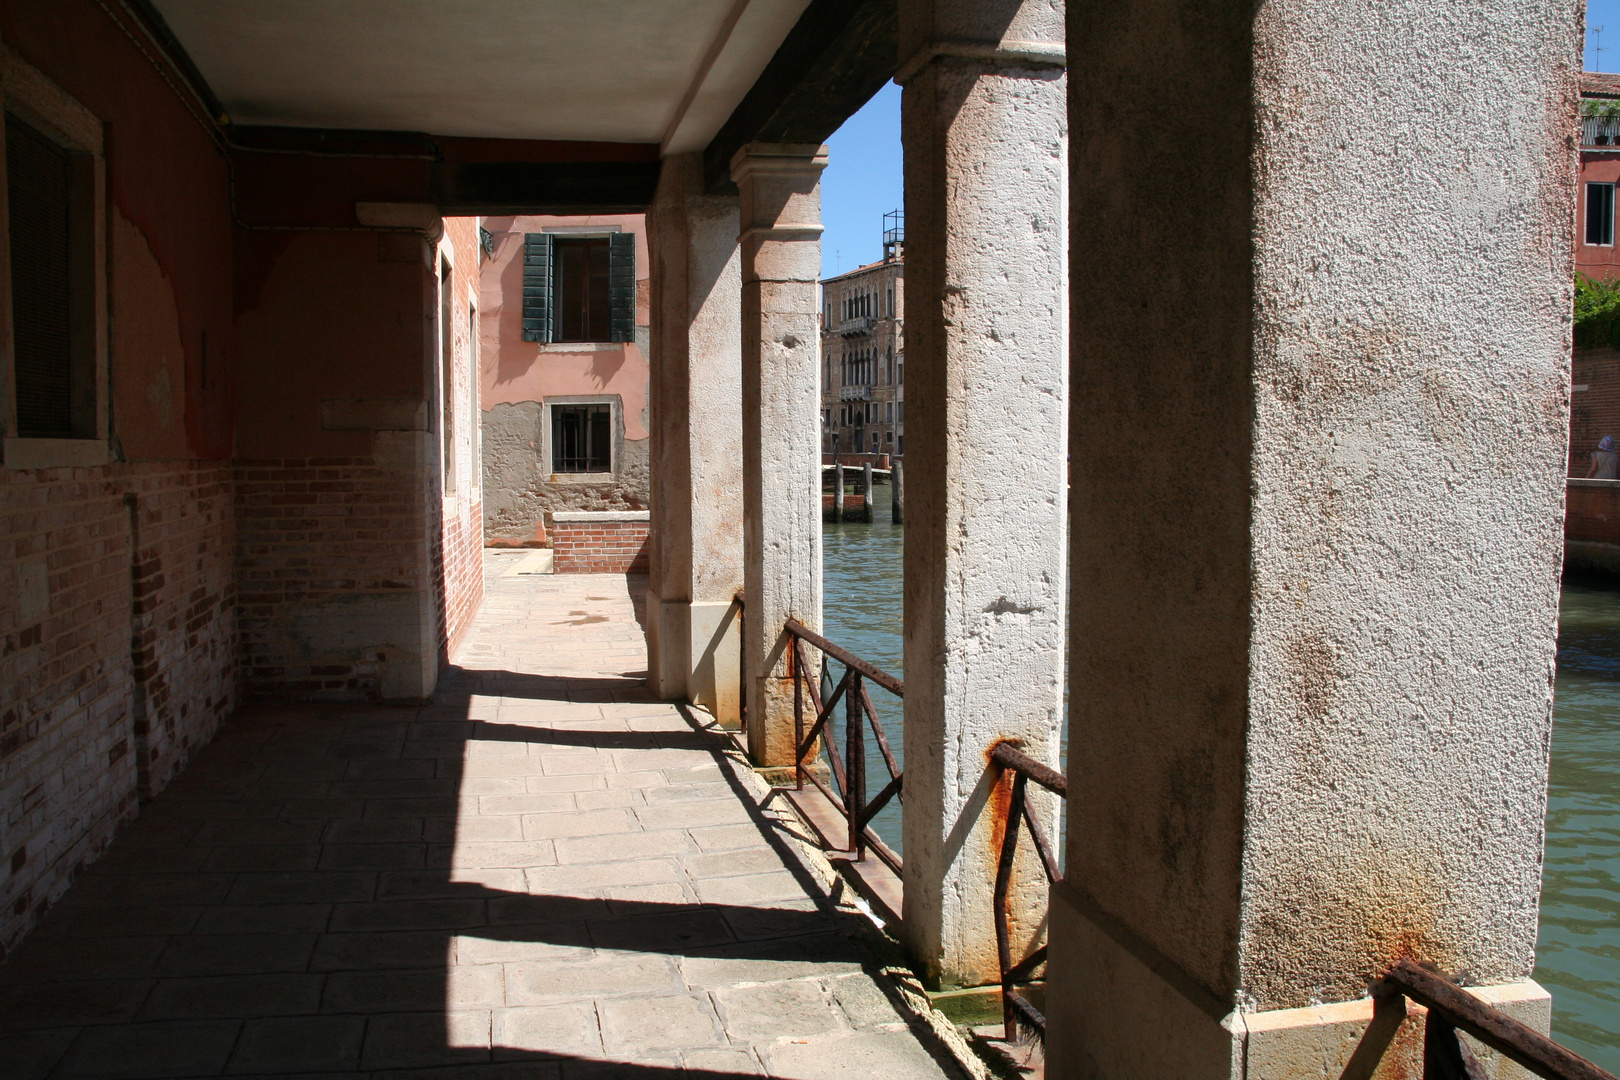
1592 517
863 353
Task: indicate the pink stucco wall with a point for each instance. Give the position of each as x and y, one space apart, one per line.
516 377
516 370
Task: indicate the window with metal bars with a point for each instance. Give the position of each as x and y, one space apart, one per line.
47 191
581 438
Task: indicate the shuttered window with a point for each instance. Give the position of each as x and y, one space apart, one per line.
622 287
579 289
39 188
538 256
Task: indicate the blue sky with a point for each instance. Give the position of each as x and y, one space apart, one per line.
863 181
1604 13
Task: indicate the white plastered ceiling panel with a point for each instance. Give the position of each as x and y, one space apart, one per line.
638 71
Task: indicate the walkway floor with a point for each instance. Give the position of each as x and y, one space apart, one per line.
545 874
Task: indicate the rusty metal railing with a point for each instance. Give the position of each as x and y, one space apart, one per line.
848 772
1453 1009
1015 1008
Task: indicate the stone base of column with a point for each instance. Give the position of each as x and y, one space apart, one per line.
667 647
694 653
1115 1009
714 673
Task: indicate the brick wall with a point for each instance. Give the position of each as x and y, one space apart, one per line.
319 541
1592 511
607 542
117 641
1594 404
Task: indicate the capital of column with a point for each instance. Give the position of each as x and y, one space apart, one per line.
1027 55
780 188
778 159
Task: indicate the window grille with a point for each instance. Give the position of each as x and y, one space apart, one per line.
581 438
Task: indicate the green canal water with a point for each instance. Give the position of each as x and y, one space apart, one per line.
1578 954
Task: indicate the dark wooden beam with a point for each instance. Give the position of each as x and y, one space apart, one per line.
313 177
836 57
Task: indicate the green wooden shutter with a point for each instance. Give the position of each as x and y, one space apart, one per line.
538 259
622 287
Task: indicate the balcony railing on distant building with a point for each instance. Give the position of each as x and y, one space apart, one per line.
855 393
1600 131
861 324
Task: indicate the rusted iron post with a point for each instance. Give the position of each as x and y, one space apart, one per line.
796 666
855 768
1004 870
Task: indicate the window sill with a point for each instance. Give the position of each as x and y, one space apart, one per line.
582 346
55 453
583 478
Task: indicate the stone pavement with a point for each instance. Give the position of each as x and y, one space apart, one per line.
543 874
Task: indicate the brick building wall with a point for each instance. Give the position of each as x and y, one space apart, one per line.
313 536
1594 404
117 657
460 567
607 542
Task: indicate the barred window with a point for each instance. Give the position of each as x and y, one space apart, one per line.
581 438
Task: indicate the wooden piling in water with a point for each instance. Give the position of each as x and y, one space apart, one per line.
838 490
897 489
866 491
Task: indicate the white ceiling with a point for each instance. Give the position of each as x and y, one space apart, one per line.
644 71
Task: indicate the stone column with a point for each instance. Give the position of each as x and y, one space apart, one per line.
780 184
696 407
1316 521
984 131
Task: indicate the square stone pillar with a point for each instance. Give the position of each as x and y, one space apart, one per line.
780 185
1320 389
693 631
983 120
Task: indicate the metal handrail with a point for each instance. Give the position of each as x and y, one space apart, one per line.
1016 1008
1453 1009
849 770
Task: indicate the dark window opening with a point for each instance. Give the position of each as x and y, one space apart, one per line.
581 438
447 367
1600 213
48 189
582 290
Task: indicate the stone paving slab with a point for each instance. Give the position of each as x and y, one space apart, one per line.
543 873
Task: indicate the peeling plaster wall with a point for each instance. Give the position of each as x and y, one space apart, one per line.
516 377
519 494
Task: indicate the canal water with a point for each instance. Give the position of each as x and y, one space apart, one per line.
1578 954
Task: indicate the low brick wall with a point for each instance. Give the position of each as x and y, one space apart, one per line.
600 541
1593 511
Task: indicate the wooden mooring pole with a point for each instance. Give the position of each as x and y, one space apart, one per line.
866 492
838 490
897 490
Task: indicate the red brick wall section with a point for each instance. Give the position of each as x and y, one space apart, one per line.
311 531
1594 404
461 577
598 545
1593 512
85 729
